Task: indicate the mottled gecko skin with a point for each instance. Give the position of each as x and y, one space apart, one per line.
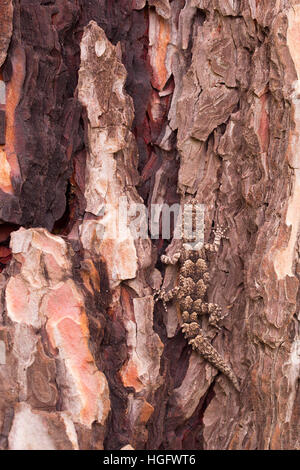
190 294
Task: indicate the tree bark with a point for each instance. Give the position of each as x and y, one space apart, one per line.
108 106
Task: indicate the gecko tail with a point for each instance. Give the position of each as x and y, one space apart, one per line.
203 347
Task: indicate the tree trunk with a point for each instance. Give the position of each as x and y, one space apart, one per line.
109 109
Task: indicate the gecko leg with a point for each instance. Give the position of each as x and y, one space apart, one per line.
191 330
219 234
215 313
170 259
166 296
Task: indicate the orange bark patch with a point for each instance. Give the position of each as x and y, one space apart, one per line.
17 300
129 376
158 53
5 179
275 443
90 276
62 304
146 412
67 328
13 95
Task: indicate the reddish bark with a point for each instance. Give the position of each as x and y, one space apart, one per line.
156 102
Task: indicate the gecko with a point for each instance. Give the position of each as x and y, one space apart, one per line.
190 293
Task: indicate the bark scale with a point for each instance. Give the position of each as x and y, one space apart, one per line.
112 104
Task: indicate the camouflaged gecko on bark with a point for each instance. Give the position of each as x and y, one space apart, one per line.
190 293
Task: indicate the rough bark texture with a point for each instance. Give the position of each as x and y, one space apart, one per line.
114 103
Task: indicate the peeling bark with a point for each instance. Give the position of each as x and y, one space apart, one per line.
108 105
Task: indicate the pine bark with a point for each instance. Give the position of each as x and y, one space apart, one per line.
108 104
